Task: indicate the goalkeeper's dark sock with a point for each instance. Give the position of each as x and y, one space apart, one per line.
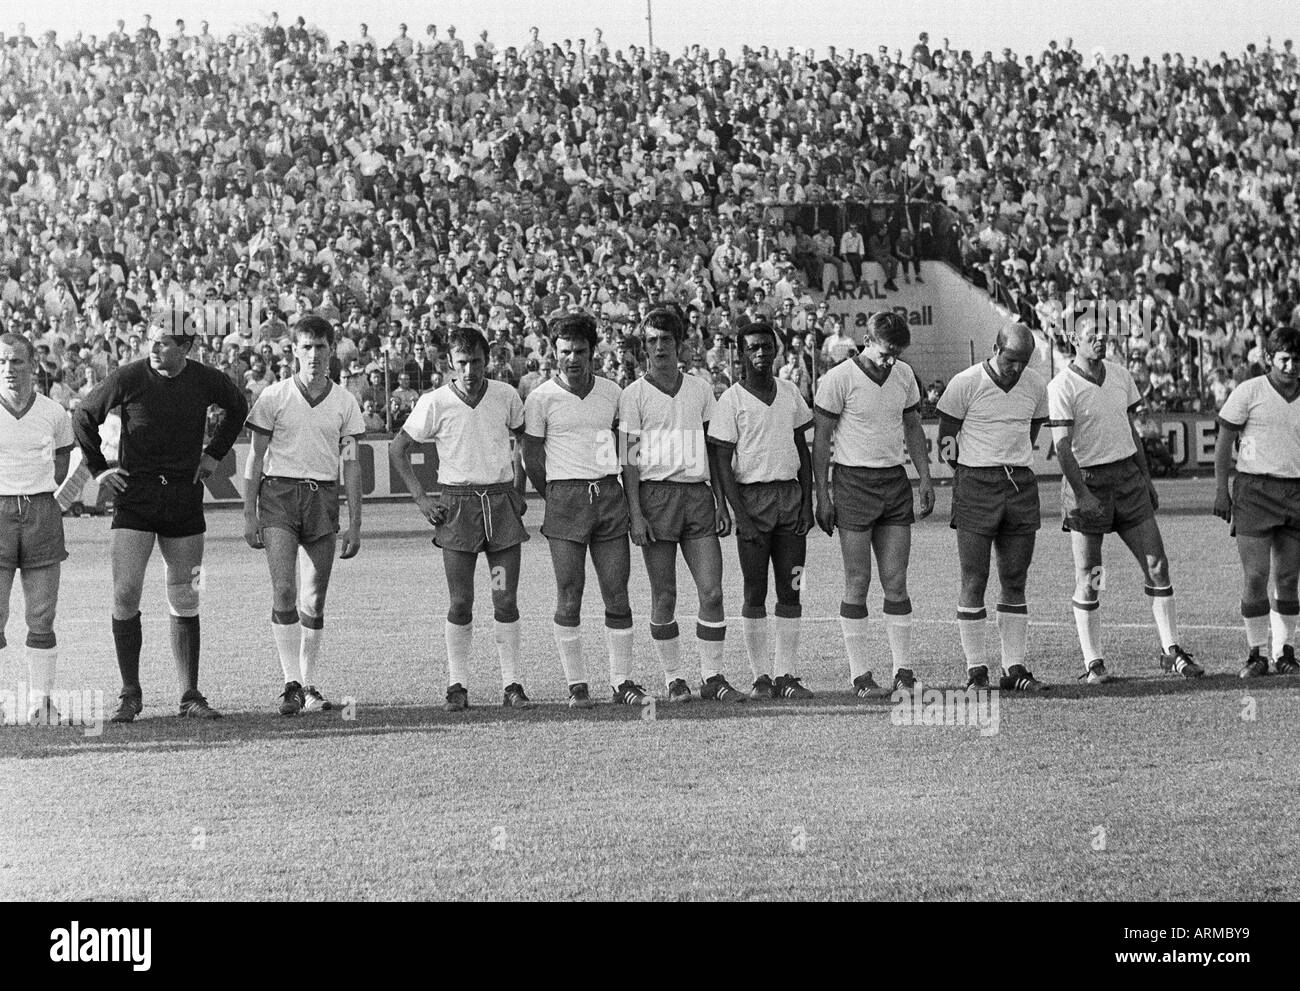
127 640
185 649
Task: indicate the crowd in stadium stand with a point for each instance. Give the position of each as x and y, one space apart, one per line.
401 186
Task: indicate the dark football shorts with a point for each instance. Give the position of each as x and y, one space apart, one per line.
870 497
481 518
773 506
307 509
31 532
678 511
1122 490
586 511
993 501
1264 503
169 507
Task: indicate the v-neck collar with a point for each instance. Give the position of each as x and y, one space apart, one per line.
464 398
872 372
18 414
1282 394
591 387
681 380
1098 381
765 402
993 377
302 391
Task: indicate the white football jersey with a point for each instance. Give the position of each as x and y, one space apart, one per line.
761 435
869 412
1270 428
1095 413
28 440
578 431
995 421
305 435
670 429
473 442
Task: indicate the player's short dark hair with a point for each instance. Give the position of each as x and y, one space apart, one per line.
18 341
314 326
760 327
666 318
468 339
1284 338
888 327
575 327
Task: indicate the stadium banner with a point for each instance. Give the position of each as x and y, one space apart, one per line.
953 324
1190 438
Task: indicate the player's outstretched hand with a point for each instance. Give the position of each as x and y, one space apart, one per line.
927 499
115 479
826 517
207 468
721 521
351 543
253 533
1223 506
641 533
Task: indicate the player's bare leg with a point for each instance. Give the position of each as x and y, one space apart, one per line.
569 560
184 559
755 559
1089 581
893 547
661 568
855 549
459 628
1148 547
503 565
6 590
1286 599
703 557
1256 560
789 553
315 566
129 553
1015 551
612 560
286 629
974 554
41 594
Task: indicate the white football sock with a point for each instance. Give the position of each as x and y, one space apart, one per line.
668 649
710 644
619 645
568 643
42 663
1284 626
788 629
288 640
755 632
898 626
1013 629
1162 607
1257 631
970 627
856 645
459 639
309 653
1088 623
507 636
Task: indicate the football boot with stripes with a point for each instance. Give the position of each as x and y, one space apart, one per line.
1178 661
629 693
789 687
1018 678
1287 664
717 689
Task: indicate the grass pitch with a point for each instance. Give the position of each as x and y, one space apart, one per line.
1150 788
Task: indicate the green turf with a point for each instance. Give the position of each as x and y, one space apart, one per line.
821 799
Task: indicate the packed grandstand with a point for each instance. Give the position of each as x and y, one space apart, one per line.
403 186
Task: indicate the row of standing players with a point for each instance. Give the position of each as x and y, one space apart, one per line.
664 464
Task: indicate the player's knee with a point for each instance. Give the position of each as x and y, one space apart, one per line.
710 600
974 582
182 598
460 613
283 596
664 603
568 599
126 598
1013 592
1157 570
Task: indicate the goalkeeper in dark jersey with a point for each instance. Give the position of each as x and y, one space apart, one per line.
158 491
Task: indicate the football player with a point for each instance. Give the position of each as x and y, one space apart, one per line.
674 500
158 494
761 423
1263 413
1107 488
570 452
869 406
989 418
470 421
301 428
35 443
